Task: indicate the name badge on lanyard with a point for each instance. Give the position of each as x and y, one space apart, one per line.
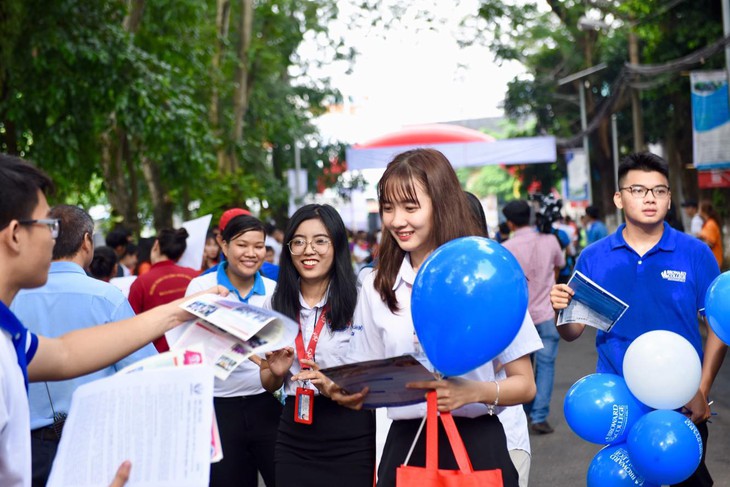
304 399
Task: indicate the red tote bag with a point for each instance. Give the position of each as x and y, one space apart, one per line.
430 475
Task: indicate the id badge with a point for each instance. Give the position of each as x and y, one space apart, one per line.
304 405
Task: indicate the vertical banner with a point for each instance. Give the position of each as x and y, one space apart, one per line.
710 119
577 175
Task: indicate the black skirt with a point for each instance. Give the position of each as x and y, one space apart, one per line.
338 448
483 437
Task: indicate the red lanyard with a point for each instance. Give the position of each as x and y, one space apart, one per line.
309 353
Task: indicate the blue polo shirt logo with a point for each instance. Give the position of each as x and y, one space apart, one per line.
676 276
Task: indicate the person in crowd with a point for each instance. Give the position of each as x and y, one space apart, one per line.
595 228
711 232
165 281
70 300
269 268
269 254
541 259
674 220
317 289
27 238
104 264
275 240
144 255
211 251
695 220
118 239
422 207
502 234
128 260
513 418
248 415
360 251
662 274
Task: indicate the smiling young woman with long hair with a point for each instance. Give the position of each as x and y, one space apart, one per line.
319 442
422 206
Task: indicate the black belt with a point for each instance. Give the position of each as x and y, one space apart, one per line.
46 433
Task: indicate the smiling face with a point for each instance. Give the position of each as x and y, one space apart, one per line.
648 211
311 265
245 253
409 222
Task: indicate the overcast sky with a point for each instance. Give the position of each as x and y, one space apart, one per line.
409 75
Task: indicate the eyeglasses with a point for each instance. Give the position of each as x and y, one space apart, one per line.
53 224
320 245
660 192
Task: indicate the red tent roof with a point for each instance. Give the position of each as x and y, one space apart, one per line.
426 134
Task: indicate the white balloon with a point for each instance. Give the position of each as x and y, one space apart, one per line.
662 369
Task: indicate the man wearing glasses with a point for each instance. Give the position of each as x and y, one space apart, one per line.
27 238
70 300
661 273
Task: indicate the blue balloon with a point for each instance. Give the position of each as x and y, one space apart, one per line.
468 303
717 306
600 408
611 467
665 447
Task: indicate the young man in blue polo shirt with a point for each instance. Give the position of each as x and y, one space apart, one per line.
661 273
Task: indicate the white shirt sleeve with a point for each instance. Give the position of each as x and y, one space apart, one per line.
367 339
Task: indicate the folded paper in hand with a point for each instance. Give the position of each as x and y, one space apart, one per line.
591 305
385 378
231 332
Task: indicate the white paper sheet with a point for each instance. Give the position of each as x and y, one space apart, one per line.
195 244
159 419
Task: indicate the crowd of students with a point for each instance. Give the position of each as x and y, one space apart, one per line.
320 435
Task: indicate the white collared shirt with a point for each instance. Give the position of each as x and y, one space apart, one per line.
331 349
379 333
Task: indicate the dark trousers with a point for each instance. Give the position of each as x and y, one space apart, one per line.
701 477
483 437
43 446
248 427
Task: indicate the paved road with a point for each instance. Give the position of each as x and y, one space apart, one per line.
562 458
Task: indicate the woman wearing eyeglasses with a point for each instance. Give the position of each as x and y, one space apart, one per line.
248 415
319 442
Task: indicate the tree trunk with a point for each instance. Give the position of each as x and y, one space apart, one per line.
241 78
222 22
161 203
115 181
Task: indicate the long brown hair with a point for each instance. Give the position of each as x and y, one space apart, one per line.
452 217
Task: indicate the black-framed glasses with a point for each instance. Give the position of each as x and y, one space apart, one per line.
320 245
660 191
53 224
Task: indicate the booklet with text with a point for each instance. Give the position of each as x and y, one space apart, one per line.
386 378
591 305
231 332
157 415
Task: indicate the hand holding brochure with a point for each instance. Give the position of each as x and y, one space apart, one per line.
591 305
386 378
231 331
159 418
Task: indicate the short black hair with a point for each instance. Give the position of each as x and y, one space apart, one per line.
517 212
592 212
102 265
642 161
75 224
118 238
20 182
173 242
